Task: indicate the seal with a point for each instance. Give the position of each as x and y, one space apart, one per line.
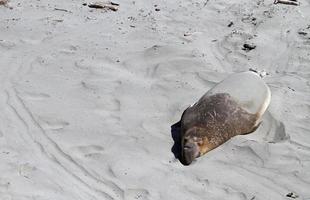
219 116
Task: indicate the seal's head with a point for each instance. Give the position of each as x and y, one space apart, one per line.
194 144
190 150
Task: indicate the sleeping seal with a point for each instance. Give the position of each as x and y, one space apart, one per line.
233 107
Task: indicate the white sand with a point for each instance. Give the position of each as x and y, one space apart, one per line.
87 98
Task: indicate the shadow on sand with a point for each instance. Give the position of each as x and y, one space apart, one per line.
176 136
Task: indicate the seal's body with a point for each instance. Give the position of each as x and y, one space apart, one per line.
213 120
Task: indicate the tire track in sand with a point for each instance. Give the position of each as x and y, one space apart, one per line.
103 188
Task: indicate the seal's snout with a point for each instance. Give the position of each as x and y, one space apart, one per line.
190 151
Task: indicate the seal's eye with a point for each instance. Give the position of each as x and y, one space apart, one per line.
185 140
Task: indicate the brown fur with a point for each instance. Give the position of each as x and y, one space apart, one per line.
215 119
3 2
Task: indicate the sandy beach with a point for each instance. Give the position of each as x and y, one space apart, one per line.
88 97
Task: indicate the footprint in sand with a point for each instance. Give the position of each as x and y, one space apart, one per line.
88 151
220 191
304 35
26 170
52 124
230 49
302 53
136 194
71 49
5 44
35 96
100 84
